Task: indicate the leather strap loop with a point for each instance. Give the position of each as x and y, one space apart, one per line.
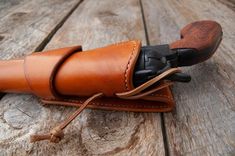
41 69
132 93
142 95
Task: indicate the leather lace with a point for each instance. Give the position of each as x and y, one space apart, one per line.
138 93
56 134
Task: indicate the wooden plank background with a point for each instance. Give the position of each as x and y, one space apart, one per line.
203 122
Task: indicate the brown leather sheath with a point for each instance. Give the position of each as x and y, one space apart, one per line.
103 78
69 76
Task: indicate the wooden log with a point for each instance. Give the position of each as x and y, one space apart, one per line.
203 122
94 132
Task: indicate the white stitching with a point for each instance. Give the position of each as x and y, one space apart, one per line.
128 65
112 105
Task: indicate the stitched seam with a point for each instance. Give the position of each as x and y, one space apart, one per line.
103 104
123 106
128 65
160 95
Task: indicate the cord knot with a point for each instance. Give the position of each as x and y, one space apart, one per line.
57 134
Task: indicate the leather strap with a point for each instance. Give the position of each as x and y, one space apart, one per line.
134 93
41 69
142 95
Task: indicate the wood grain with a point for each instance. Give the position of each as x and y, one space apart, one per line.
26 25
7 6
204 120
94 132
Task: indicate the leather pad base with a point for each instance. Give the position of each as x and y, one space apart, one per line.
161 101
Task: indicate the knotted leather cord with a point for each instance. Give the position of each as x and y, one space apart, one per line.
56 134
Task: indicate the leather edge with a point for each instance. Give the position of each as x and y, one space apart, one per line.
131 64
160 104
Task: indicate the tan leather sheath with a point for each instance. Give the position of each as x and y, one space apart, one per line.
68 76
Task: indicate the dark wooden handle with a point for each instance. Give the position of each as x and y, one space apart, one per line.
202 36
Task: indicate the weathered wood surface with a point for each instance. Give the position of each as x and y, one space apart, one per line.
25 26
7 6
95 131
204 120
